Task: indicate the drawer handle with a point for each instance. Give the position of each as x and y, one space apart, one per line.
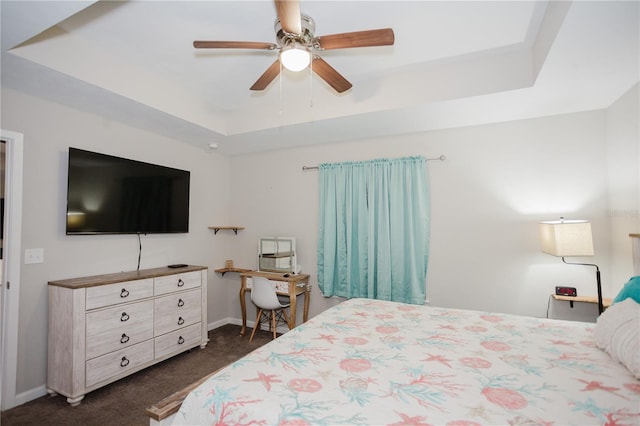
180 282
180 303
124 362
124 293
180 321
124 338
124 317
180 340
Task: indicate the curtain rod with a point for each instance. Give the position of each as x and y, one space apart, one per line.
305 168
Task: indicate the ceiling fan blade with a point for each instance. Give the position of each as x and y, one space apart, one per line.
330 75
268 76
289 16
369 38
199 44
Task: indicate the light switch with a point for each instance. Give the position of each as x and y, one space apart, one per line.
34 256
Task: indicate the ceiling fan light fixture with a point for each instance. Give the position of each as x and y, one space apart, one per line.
295 57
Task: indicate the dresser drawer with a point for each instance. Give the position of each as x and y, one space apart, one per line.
118 362
177 282
179 340
118 327
112 294
177 310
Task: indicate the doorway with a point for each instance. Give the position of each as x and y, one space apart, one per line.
11 238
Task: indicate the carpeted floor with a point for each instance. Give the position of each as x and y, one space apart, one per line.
123 403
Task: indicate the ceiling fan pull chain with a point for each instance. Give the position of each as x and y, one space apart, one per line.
280 90
311 84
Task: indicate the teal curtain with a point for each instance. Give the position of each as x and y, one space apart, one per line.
374 229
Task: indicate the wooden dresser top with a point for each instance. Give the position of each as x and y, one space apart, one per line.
97 280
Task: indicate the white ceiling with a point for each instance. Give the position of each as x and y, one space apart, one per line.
454 63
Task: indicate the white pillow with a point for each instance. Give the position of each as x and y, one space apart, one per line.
617 331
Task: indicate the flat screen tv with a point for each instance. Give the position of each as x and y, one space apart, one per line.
113 195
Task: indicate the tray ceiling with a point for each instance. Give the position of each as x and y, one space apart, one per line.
454 63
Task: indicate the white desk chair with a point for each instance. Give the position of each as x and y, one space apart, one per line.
264 296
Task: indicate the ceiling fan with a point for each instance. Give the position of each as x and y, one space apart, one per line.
296 41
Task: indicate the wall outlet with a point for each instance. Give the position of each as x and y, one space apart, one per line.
33 256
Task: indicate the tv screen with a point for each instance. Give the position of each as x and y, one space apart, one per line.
113 195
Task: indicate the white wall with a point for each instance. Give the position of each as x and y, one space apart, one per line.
623 161
487 198
497 183
49 129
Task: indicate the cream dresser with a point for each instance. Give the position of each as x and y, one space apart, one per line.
103 328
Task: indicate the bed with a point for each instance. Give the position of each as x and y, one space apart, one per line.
373 362
370 362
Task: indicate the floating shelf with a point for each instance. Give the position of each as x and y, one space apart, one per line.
233 228
606 302
225 270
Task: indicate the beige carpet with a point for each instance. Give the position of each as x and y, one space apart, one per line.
124 402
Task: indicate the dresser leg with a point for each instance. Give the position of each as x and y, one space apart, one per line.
75 401
51 392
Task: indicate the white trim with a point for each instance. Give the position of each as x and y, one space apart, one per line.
281 328
30 395
220 323
11 273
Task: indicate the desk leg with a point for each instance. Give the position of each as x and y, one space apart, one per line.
243 306
307 298
292 305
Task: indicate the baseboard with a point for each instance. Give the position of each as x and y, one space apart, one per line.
30 395
224 321
235 321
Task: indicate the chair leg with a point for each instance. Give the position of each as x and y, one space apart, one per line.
286 318
256 325
273 323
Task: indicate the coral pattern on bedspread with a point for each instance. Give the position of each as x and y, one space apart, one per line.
371 362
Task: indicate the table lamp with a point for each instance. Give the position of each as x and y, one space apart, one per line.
566 238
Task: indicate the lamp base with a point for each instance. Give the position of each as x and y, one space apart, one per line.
598 282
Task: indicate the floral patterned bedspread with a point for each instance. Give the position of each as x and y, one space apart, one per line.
370 362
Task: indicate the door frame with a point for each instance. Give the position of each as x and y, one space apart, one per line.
11 271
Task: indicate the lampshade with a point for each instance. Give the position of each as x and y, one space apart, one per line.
295 57
566 238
